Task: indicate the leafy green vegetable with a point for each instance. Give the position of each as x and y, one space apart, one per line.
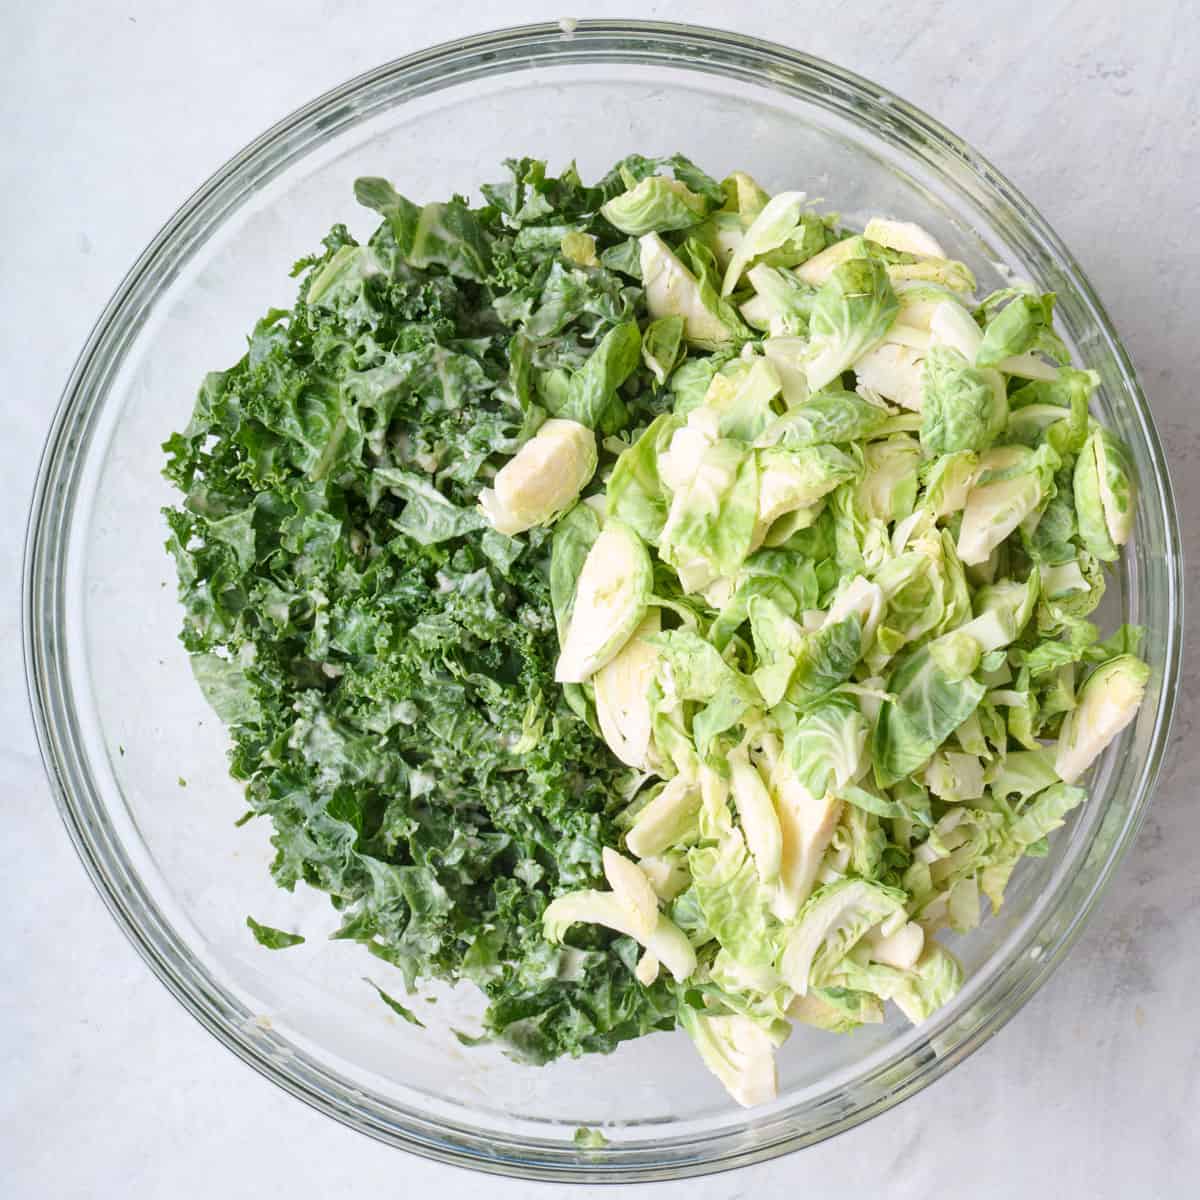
537 485
1025 323
662 346
687 289
935 692
825 673
851 313
963 408
591 395
826 418
399 1009
655 204
1104 490
272 938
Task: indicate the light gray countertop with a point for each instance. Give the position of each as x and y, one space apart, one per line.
111 114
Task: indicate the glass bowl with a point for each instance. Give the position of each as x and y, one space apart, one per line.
122 725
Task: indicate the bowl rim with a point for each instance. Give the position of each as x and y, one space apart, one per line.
499 52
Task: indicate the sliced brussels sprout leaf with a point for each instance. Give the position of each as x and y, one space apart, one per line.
962 407
632 888
934 694
851 313
819 269
690 381
900 948
1012 484
946 272
951 325
904 236
738 403
711 523
788 356
743 195
1024 324
894 372
836 1009
542 479
1107 702
611 597
622 688
574 536
1022 773
1045 814
1104 494
667 873
738 1051
954 776
665 942
656 204
771 227
887 489
1003 610
830 925
756 813
721 233
782 302
647 969
662 347
673 291
732 897
939 976
832 417
820 754
919 300
635 493
669 819
948 482
862 598
579 248
789 479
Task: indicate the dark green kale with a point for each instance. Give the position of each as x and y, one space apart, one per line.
383 659
272 938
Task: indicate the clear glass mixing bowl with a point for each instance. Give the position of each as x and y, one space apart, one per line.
121 721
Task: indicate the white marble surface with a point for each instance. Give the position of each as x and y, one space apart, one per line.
111 112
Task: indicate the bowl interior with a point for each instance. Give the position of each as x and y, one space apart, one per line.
142 757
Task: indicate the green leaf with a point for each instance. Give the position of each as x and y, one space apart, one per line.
777 222
963 407
226 689
592 398
589 1139
427 517
656 204
684 285
934 695
406 1014
710 526
830 417
574 537
445 235
851 314
635 492
1025 323
663 347
733 901
273 939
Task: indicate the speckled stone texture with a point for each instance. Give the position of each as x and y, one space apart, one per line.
112 113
